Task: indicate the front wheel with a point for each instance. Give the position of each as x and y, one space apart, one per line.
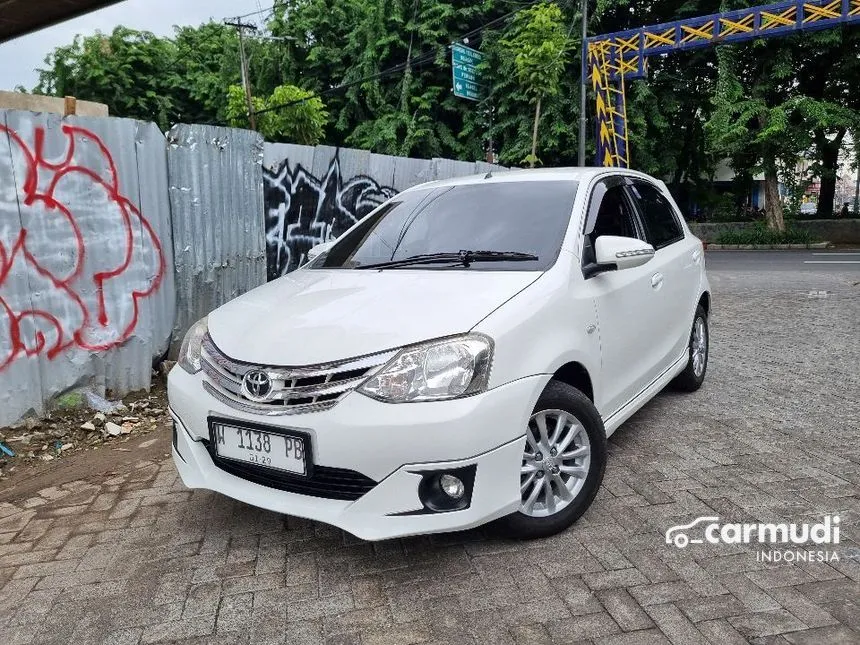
693 376
562 466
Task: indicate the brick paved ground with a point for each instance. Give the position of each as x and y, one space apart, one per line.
772 436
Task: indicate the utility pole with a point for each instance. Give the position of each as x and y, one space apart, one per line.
857 185
583 84
491 151
246 80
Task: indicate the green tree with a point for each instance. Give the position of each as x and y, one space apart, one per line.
237 108
757 123
393 58
140 75
207 61
315 55
131 71
827 67
538 45
289 114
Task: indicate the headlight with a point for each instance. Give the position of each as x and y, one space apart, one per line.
192 347
433 371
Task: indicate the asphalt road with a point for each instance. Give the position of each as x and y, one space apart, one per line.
840 260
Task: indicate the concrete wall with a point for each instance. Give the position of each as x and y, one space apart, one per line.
86 266
313 194
838 231
52 104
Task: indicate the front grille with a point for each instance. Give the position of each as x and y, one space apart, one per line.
325 482
293 390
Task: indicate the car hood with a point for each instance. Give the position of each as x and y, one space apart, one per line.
320 315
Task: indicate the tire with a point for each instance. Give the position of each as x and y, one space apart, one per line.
691 379
558 398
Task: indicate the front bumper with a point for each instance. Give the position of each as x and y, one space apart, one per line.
388 443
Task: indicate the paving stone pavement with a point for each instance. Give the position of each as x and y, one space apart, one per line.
772 436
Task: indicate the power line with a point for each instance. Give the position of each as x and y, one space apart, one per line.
271 9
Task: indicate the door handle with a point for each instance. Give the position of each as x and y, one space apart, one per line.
657 280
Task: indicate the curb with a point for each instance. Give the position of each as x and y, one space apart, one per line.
765 247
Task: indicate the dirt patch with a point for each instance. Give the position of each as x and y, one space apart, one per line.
93 465
79 431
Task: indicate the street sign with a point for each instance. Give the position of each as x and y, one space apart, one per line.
464 68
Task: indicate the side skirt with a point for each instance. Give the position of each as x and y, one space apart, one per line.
626 411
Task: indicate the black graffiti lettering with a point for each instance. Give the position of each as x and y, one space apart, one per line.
303 210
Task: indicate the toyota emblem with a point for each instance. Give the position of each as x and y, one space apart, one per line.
256 385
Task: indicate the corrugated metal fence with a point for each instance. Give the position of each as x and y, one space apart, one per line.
93 212
216 200
86 262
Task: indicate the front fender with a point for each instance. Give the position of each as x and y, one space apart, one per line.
542 328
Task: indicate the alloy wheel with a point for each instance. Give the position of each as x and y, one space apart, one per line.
555 462
699 346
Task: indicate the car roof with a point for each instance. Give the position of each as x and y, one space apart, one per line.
532 174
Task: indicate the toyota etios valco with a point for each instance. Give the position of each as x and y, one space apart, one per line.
460 355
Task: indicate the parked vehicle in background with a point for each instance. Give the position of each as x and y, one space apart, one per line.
458 356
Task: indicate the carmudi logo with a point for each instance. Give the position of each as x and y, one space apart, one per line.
826 532
709 530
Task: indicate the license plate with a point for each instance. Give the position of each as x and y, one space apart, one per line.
252 445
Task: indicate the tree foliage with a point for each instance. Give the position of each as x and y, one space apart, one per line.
381 70
537 45
290 114
133 72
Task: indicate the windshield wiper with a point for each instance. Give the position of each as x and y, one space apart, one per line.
464 258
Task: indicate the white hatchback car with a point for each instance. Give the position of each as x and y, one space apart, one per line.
460 355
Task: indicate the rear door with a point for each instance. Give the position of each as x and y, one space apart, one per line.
673 273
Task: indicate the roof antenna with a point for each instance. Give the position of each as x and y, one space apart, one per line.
489 175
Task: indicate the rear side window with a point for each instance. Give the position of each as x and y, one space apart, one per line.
661 225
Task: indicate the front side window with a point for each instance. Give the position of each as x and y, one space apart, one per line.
661 224
610 213
614 217
528 217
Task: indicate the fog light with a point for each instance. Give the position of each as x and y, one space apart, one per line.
452 486
443 491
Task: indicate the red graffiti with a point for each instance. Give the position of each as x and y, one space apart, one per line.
76 255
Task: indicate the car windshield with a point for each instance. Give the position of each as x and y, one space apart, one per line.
527 217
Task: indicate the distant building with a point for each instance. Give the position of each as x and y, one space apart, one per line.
724 182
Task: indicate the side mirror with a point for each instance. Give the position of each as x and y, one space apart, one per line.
319 249
616 253
623 252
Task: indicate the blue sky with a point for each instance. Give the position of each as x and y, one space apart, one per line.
20 58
